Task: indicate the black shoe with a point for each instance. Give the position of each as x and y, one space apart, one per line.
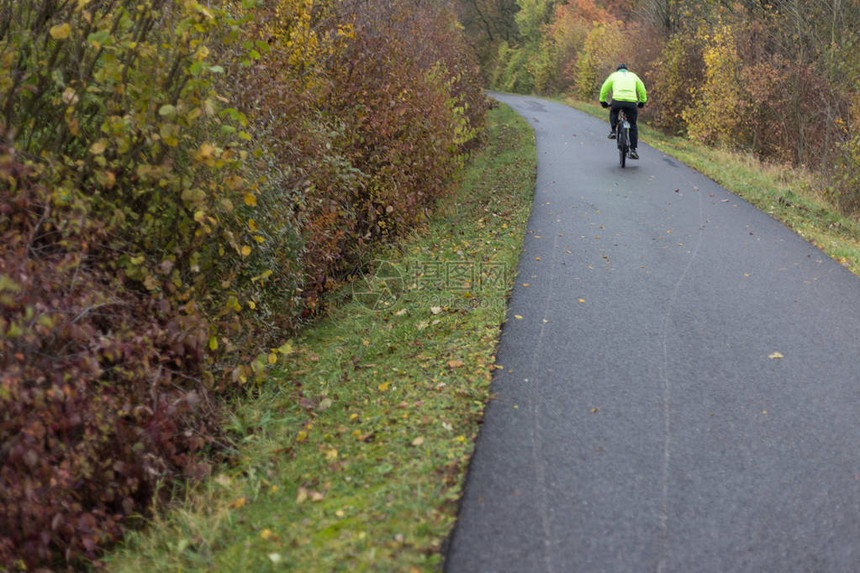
612 134
633 154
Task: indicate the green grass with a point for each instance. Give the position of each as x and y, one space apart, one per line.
787 194
352 455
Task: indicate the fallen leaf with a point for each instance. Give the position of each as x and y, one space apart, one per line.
417 441
238 503
302 495
435 309
518 317
581 300
776 356
455 363
224 480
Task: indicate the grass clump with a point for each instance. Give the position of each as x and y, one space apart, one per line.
790 195
353 455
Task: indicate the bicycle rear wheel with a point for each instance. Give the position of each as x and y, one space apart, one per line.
623 145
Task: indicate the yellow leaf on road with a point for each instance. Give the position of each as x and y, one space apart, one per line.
776 356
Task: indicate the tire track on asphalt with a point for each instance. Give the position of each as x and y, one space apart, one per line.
667 394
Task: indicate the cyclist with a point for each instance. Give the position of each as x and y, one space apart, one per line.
628 93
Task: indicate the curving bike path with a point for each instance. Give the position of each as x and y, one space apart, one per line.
643 420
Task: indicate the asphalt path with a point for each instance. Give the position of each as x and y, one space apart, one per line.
643 419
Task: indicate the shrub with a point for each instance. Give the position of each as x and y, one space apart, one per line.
677 70
121 195
601 53
409 102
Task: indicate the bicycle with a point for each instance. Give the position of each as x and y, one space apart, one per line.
622 137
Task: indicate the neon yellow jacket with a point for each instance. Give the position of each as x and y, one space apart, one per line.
625 86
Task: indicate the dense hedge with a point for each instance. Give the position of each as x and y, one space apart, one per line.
179 185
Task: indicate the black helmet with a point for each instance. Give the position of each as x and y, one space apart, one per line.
621 67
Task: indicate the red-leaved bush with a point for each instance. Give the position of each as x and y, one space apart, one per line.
93 405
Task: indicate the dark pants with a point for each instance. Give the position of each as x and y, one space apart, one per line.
632 111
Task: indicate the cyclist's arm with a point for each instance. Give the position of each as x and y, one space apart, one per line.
604 89
640 90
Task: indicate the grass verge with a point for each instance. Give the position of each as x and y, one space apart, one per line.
352 455
787 194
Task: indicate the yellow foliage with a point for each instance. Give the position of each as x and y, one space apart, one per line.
718 114
293 29
603 48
